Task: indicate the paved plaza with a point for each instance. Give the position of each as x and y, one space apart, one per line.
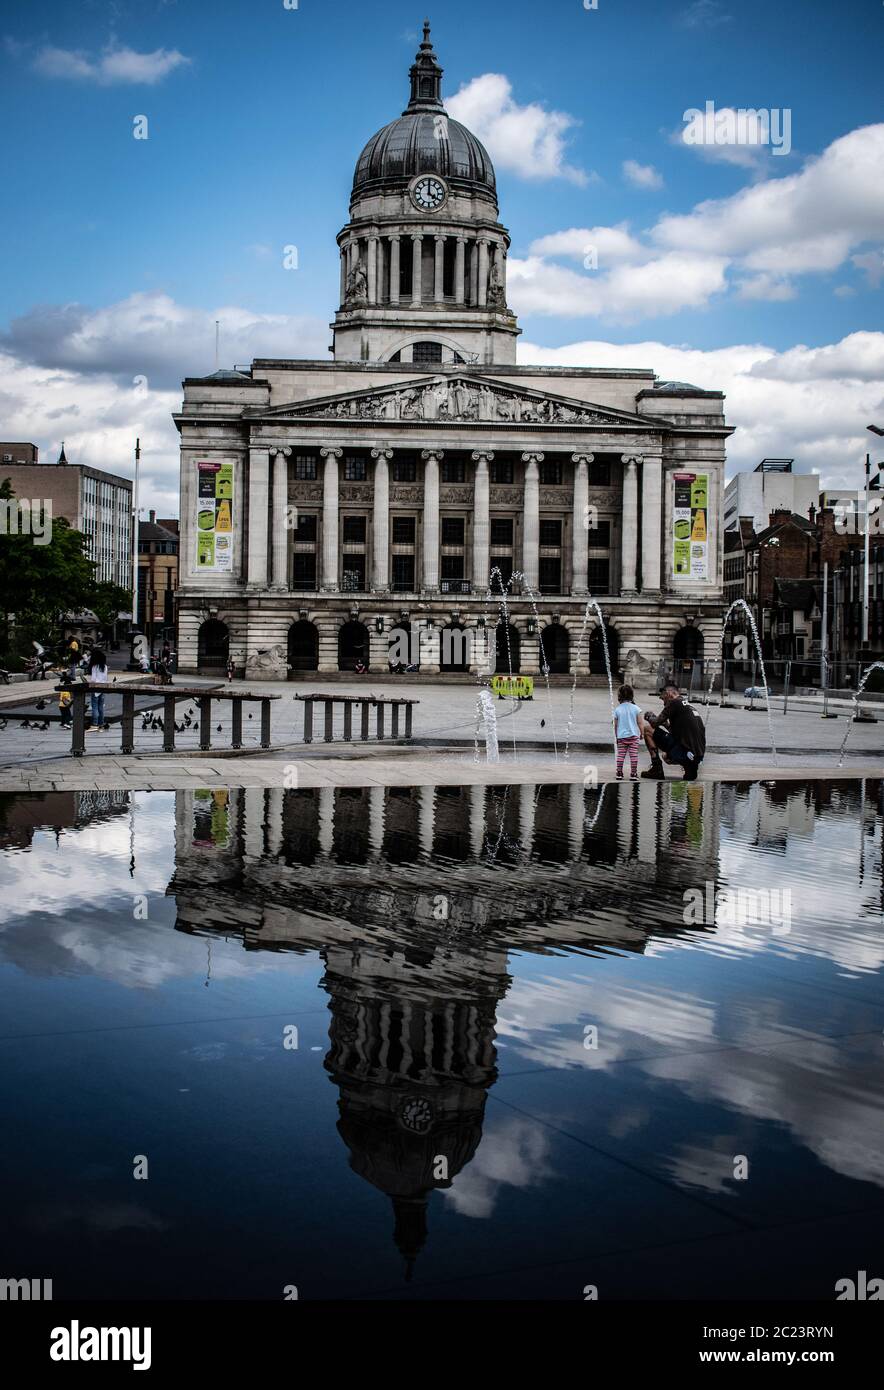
554 737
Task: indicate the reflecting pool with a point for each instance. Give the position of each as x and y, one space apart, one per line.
443 1042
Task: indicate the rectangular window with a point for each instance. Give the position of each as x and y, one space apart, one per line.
452 566
354 469
598 576
426 352
550 532
353 577
307 526
452 530
403 530
501 471
404 470
304 574
550 575
551 473
403 573
501 530
599 536
354 529
504 563
453 471
305 467
600 473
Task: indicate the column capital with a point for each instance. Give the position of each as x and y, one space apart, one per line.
427 454
394 236
382 453
282 449
533 458
440 236
631 458
416 236
328 453
481 455
582 458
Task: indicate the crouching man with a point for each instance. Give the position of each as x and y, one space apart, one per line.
678 734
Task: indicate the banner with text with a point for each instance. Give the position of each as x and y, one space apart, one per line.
214 517
690 539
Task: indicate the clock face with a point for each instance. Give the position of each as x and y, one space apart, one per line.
428 193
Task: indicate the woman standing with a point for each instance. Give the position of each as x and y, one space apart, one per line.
98 676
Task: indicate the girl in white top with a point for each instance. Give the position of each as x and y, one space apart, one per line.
629 727
98 676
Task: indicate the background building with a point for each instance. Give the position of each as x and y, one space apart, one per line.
96 503
771 486
157 578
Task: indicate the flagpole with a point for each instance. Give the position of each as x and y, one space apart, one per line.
865 642
135 537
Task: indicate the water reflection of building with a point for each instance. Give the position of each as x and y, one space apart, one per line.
414 896
21 816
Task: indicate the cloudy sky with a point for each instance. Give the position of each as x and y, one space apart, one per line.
737 252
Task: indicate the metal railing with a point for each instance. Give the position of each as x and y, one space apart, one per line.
366 704
200 695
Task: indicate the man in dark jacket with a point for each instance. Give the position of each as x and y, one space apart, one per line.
678 733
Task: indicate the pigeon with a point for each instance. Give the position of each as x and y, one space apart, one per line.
2 723
25 724
543 723
218 729
250 716
41 704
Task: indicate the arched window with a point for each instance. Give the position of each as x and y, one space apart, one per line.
453 648
303 654
555 650
213 646
426 352
597 651
353 646
509 650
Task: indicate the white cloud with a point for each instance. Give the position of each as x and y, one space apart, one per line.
526 140
703 14
625 293
69 372
766 287
735 135
872 262
610 244
811 404
115 65
641 175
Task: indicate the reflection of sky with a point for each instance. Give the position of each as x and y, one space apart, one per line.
694 1012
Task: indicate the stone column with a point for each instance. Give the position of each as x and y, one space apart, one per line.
431 459
531 523
629 526
381 520
275 802
652 505
417 242
439 277
376 808
280 532
372 270
426 818
483 272
330 520
474 273
326 827
481 522
394 269
259 507
576 820
527 806
344 259
460 271
580 526
477 821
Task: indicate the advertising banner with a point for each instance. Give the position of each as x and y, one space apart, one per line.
690 536
516 687
214 517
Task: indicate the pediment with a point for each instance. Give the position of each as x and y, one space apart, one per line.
455 400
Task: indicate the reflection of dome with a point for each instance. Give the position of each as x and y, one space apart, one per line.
424 140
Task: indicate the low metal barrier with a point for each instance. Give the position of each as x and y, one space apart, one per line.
200 695
367 703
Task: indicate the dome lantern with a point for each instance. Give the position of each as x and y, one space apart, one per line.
426 78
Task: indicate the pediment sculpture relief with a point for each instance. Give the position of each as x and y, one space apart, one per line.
454 401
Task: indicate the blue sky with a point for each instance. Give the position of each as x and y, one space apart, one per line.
124 251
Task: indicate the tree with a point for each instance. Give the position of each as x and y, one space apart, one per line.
108 600
39 582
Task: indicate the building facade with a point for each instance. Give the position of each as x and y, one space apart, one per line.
96 503
157 578
770 486
402 486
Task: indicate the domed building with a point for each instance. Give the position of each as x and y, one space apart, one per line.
330 509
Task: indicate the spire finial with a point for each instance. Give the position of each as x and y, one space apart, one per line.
426 77
426 43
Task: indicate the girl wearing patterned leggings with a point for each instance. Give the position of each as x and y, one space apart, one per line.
629 726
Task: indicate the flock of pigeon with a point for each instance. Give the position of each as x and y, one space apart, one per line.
148 721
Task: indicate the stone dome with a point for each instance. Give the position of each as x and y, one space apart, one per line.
424 140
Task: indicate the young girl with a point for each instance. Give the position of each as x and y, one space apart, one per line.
98 676
629 726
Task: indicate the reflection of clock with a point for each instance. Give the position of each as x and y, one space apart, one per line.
428 193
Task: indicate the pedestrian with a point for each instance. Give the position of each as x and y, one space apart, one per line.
97 676
679 734
73 657
629 727
231 669
65 698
